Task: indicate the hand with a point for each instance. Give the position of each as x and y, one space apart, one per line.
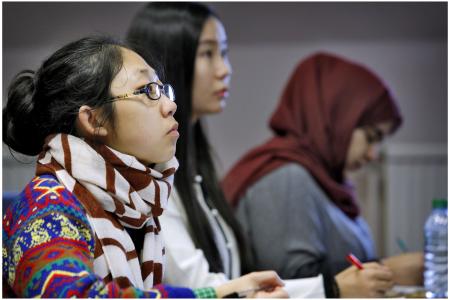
268 280
371 282
407 268
277 292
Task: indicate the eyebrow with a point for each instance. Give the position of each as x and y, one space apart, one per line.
210 41
147 73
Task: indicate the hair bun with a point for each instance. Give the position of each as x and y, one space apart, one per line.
19 126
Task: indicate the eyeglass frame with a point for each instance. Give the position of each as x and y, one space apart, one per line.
145 90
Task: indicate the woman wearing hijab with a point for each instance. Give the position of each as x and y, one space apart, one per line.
292 191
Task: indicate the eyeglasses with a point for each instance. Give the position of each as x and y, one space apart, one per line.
153 90
373 134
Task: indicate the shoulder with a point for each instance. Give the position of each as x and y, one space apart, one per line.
43 197
175 207
289 178
44 216
291 187
292 170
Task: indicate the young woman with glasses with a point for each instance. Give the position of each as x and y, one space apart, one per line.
331 118
88 225
205 244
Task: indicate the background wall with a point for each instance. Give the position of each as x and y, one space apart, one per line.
405 43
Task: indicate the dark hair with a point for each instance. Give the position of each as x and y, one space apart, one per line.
171 32
47 101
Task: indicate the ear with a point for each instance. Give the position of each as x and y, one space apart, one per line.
87 123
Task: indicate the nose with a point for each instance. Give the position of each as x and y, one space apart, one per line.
168 107
224 68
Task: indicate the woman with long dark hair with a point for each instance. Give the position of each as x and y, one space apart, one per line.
205 244
177 29
87 225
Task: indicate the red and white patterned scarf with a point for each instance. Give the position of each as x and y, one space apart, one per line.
117 191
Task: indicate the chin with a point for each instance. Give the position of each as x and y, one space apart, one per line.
169 156
218 109
161 161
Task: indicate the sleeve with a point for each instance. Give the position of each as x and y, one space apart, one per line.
283 223
312 287
185 265
48 252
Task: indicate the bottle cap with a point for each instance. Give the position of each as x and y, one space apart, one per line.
439 203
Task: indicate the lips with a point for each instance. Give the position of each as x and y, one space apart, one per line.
222 93
174 128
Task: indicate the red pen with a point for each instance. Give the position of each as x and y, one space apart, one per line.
355 261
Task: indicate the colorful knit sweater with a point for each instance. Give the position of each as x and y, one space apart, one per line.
48 249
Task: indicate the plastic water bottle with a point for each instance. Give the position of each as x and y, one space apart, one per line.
436 234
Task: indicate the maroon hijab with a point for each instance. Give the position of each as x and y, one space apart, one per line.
326 98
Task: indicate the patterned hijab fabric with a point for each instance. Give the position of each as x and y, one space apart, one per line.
324 101
117 191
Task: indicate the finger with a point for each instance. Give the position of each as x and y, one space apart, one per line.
382 274
269 278
277 293
383 285
379 294
372 265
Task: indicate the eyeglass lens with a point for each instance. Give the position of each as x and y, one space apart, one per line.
168 91
154 91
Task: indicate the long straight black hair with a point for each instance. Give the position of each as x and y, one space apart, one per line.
170 33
